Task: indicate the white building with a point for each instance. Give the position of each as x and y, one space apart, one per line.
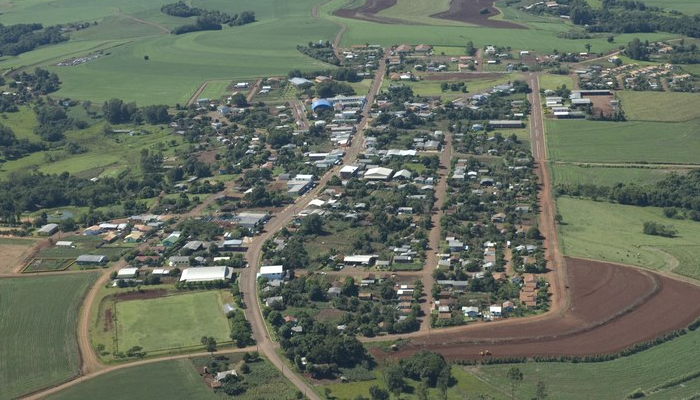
205 274
271 272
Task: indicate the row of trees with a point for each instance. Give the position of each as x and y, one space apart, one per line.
115 111
21 38
207 20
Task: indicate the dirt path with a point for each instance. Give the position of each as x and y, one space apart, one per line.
253 90
431 260
197 93
160 27
560 300
111 368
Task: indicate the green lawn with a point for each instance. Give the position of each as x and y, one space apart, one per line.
660 106
686 6
216 90
606 176
623 142
613 232
551 81
177 379
171 322
38 329
610 379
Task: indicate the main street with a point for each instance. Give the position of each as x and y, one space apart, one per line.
247 278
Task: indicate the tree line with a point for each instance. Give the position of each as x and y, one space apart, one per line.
207 20
21 38
117 112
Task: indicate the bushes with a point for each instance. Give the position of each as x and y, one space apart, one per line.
657 229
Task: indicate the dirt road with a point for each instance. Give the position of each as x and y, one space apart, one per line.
560 300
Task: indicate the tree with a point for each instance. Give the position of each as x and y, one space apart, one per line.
311 225
210 342
393 377
423 390
588 47
376 393
515 377
471 50
611 39
239 100
541 391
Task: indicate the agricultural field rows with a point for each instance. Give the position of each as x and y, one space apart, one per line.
39 321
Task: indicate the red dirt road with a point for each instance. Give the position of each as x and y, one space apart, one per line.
612 308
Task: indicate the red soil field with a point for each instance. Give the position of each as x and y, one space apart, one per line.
136 295
612 308
466 11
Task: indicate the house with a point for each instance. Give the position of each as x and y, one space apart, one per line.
369 279
232 245
48 230
403 174
193 245
378 174
334 291
64 243
496 311
126 273
423 48
89 259
508 306
179 261
455 245
206 274
93 230
252 220
348 171
271 272
364 296
499 217
171 239
222 375
133 237
402 259
471 312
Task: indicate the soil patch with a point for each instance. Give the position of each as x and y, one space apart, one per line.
612 308
464 76
144 295
470 12
108 320
368 12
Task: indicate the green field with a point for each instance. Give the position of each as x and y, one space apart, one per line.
39 317
418 11
574 174
467 386
660 106
613 232
686 6
176 379
623 142
216 90
171 322
551 81
610 379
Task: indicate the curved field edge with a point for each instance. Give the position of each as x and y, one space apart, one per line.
39 344
613 232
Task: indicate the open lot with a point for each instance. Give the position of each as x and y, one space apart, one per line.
623 142
13 252
612 308
39 318
613 379
660 106
613 232
171 322
574 174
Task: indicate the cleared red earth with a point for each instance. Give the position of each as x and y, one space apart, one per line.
467 11
612 308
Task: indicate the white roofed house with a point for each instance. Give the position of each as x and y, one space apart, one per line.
88 259
271 272
378 174
360 259
127 273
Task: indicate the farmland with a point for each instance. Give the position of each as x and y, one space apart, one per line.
39 317
660 107
613 232
623 142
613 379
171 322
177 379
12 252
574 174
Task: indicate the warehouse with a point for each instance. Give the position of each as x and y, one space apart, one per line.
205 274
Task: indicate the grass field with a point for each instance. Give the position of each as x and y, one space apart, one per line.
418 11
47 264
171 322
660 106
39 317
551 81
176 379
623 142
607 380
605 176
467 386
613 232
686 6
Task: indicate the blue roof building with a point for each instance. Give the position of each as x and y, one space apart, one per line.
321 103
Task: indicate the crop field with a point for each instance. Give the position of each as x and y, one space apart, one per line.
176 379
39 317
574 174
686 255
606 380
171 322
216 89
623 142
613 232
660 106
418 11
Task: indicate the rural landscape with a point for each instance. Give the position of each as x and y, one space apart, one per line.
350 199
